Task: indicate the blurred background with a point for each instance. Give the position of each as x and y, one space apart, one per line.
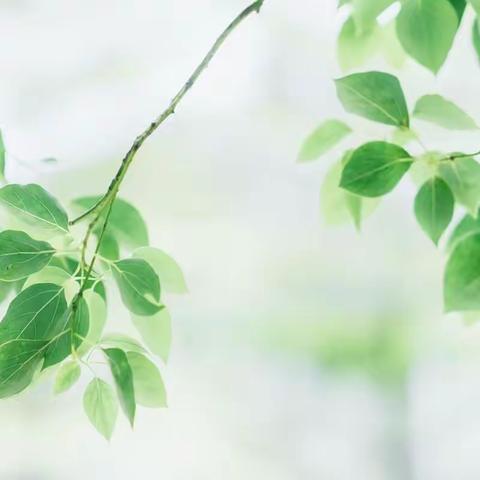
302 351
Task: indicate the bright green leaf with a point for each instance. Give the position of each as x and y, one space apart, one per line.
21 255
377 96
139 286
375 169
442 112
462 276
426 29
156 332
459 6
434 205
35 207
66 377
324 138
147 381
123 376
465 227
101 406
169 272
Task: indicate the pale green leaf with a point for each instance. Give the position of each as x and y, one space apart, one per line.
97 313
67 375
442 112
476 5
101 406
124 342
377 96
147 381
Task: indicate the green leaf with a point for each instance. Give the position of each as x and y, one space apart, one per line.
365 12
476 37
465 227
125 222
156 332
426 29
463 178
355 46
434 205
109 247
57 276
123 376
377 96
2 158
21 255
323 139
147 381
459 6
97 315
442 112
67 375
476 5
462 276
75 325
35 207
101 406
169 272
124 342
139 286
375 169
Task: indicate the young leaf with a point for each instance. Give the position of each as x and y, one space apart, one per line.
325 137
434 206
426 29
463 178
125 222
21 255
123 376
169 272
156 332
375 169
67 376
377 96
124 342
147 381
35 207
139 286
97 315
101 406
74 324
462 276
442 112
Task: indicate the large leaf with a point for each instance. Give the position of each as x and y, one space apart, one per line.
375 169
125 221
75 323
462 276
101 406
35 207
21 255
434 205
442 112
169 272
156 332
377 96
465 227
426 29
463 177
324 138
147 381
139 286
123 376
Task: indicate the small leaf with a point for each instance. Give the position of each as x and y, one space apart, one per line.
375 169
463 178
35 207
156 332
462 276
377 96
67 376
124 342
324 138
97 314
101 406
123 376
426 29
139 286
169 272
434 206
21 255
147 381
125 222
442 112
